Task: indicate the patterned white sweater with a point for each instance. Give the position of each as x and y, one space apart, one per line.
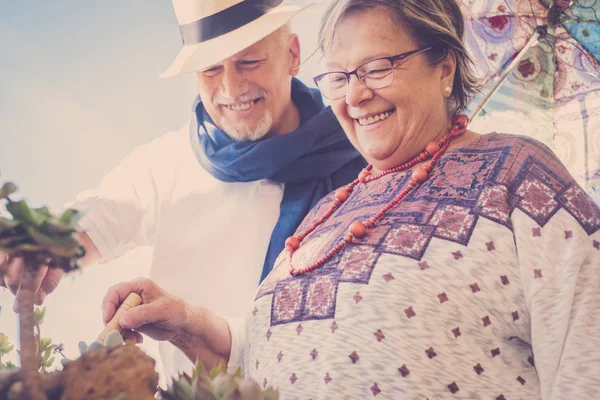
483 284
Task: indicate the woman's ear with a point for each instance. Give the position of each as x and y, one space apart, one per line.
448 70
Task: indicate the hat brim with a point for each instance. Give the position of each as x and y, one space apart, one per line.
201 55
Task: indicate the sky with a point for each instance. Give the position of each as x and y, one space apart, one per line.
79 90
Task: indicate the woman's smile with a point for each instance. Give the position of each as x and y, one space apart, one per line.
373 118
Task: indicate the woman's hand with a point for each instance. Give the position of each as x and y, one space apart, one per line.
196 331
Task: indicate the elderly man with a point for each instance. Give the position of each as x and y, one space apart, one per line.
217 199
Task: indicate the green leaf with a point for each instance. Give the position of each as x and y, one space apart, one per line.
59 246
6 348
218 369
54 228
13 249
49 362
10 365
40 313
3 338
69 252
224 385
7 224
48 353
11 241
21 212
237 373
50 240
203 388
70 217
167 395
184 377
199 369
183 391
7 189
45 344
44 211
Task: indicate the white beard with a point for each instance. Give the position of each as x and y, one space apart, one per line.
240 132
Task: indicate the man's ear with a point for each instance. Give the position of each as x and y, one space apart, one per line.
294 54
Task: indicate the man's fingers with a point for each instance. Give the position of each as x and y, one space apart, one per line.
51 280
117 294
4 259
156 333
49 283
40 296
41 274
142 315
13 276
132 335
112 299
13 279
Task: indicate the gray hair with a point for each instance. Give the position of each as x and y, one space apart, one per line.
435 23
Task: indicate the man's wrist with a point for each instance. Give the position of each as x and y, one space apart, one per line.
190 333
203 336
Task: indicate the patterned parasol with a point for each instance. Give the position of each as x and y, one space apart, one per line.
540 64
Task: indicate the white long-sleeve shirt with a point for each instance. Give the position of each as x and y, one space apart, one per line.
208 238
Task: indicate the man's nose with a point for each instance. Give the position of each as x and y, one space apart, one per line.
234 83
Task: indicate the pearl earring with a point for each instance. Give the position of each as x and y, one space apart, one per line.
448 89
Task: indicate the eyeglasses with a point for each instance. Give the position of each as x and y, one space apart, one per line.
374 74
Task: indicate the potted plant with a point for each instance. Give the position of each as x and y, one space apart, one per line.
113 370
40 238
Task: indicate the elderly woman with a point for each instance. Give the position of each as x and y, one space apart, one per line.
456 265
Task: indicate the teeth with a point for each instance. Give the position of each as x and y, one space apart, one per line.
240 107
373 119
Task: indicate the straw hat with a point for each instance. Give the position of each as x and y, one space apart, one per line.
213 30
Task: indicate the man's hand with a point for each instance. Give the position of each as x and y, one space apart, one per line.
196 331
160 316
47 279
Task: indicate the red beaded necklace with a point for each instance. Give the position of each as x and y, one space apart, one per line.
359 229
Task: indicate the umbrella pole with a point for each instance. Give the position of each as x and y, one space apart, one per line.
533 41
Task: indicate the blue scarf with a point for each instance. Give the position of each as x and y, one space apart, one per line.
312 160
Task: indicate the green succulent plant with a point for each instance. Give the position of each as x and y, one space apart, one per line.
46 350
216 384
40 238
5 348
37 231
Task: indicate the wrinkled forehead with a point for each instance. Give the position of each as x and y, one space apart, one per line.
329 31
363 35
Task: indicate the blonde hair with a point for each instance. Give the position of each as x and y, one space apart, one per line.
435 23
